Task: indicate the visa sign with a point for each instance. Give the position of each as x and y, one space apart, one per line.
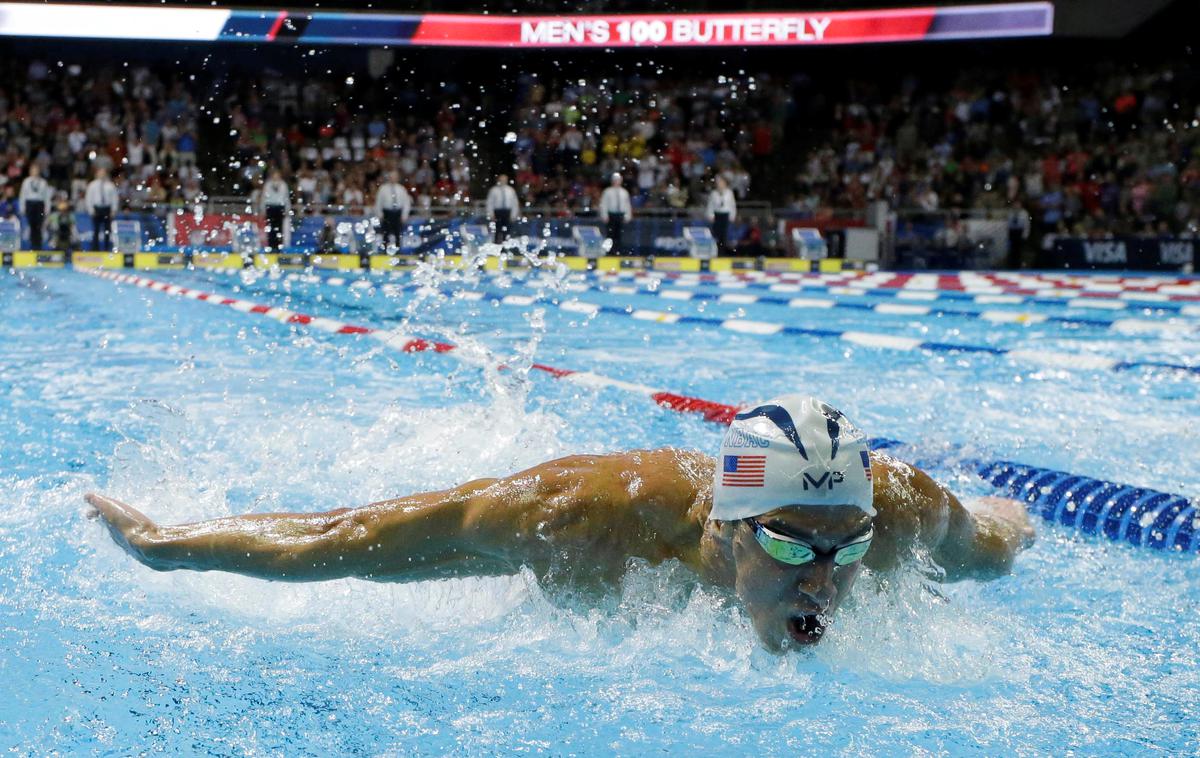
1176 252
1105 251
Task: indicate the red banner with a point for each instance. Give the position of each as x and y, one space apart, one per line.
210 229
677 31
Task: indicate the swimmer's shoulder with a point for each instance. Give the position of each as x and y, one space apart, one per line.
898 485
669 484
670 467
910 507
664 483
660 470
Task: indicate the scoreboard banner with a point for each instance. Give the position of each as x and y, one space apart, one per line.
532 32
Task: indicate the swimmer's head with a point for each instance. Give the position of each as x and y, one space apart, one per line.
793 451
793 496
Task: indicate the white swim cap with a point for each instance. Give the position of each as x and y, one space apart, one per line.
790 451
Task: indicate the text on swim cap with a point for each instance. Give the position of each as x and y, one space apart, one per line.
738 438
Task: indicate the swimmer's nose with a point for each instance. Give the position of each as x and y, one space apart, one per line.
815 585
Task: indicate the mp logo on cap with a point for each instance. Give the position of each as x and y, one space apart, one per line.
832 477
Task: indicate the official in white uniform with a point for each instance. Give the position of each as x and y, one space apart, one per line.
615 209
276 199
101 201
33 201
721 210
392 206
502 207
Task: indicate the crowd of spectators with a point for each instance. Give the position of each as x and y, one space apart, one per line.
1087 151
136 122
671 136
334 139
1084 150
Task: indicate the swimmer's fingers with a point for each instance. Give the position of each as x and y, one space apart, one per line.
1012 512
100 505
124 521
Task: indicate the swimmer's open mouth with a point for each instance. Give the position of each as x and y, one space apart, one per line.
807 629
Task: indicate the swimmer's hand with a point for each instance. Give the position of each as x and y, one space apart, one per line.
129 527
984 538
1011 514
976 540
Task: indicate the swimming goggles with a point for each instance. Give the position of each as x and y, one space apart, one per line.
796 552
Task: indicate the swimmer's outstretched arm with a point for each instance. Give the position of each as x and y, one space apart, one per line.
408 538
484 527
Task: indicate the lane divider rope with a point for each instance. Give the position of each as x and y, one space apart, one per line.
857 290
1098 283
966 281
1127 325
710 410
1049 358
1139 516
846 283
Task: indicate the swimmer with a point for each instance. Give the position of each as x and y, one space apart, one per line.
786 516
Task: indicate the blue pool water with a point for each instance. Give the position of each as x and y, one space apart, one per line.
191 411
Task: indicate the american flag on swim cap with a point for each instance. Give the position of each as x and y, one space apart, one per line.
744 471
866 463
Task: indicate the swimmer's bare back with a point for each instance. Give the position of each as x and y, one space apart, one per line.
581 517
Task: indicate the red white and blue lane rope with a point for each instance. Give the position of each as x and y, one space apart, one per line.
1091 282
1050 358
1136 515
895 309
857 284
710 410
963 282
982 295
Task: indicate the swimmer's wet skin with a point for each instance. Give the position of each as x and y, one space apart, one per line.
786 517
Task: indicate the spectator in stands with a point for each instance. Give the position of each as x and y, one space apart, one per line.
34 200
721 210
276 200
101 201
327 239
392 207
751 243
502 206
615 209
9 206
60 226
1019 225
675 195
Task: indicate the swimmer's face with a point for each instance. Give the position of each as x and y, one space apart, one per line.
791 605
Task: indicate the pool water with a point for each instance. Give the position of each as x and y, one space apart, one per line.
190 411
